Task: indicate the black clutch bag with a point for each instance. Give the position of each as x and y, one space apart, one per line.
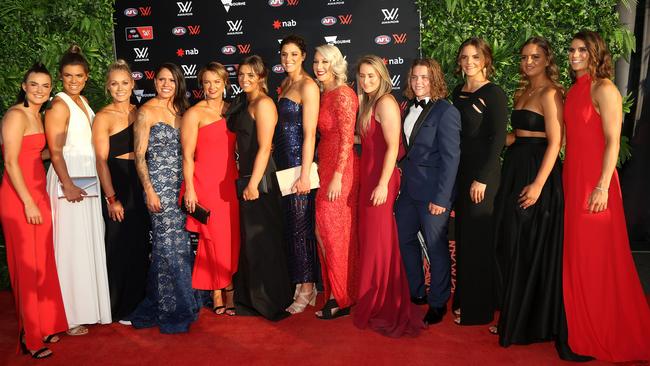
264 186
201 214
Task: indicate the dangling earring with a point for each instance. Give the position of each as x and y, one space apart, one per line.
463 73
484 71
25 102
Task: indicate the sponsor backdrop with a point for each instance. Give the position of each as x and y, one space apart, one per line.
192 33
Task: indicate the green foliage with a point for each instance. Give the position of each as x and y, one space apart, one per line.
506 24
41 30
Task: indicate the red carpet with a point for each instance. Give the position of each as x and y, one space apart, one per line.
299 340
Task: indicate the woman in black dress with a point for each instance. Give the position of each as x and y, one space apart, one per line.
125 214
483 110
262 281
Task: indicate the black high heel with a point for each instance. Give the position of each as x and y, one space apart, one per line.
230 310
37 354
326 311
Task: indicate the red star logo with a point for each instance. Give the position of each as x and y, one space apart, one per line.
278 90
277 24
180 52
385 60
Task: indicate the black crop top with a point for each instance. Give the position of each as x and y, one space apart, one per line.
121 143
523 119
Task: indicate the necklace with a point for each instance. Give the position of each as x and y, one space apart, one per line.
535 89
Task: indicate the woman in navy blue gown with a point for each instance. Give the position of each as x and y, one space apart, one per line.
294 141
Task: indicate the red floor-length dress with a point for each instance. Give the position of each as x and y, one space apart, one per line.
335 220
384 303
30 250
607 313
215 172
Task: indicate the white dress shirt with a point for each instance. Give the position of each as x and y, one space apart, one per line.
411 117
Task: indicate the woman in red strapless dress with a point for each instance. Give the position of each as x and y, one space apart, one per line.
338 168
384 302
26 219
210 171
607 313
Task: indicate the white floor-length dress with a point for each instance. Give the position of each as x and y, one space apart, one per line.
79 228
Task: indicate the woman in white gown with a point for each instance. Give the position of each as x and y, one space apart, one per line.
76 206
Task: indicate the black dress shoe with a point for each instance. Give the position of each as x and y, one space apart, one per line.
434 315
419 300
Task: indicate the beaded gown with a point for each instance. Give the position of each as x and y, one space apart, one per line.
336 220
298 209
30 250
170 302
607 313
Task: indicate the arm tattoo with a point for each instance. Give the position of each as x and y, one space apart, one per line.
141 142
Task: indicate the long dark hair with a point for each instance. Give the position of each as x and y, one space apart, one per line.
73 56
37 68
600 60
180 95
551 70
482 47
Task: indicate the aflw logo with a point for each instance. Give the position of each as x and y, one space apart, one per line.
345 19
145 11
189 71
399 38
235 27
194 29
390 16
244 48
184 8
235 89
141 54
395 81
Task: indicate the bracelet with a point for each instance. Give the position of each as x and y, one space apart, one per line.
111 200
600 189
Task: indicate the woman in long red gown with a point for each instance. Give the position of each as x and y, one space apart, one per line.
384 303
336 201
28 231
607 313
210 171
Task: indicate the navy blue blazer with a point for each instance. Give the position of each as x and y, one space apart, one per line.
430 164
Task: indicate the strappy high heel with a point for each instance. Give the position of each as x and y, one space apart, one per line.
302 300
230 310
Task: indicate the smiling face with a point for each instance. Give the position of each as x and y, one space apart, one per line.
471 61
368 78
120 85
165 84
420 81
37 88
213 85
291 57
248 80
74 79
323 69
533 60
579 57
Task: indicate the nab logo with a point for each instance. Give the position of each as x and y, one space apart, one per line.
235 27
191 52
391 16
139 33
228 50
382 39
394 61
141 54
395 81
327 21
189 71
244 48
276 3
399 38
227 4
194 29
137 75
278 69
149 74
184 8
277 24
131 12
179 31
145 11
345 19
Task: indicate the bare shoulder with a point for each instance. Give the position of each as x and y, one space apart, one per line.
58 106
551 94
605 88
387 101
309 85
15 115
263 103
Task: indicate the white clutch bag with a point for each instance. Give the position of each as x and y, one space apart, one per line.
88 184
287 177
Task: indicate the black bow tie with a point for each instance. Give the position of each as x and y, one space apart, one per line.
420 103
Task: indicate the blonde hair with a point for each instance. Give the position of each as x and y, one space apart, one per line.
118 65
367 103
338 64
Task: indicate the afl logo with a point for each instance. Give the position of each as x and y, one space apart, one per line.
382 39
228 50
179 31
276 3
278 69
131 12
328 21
136 75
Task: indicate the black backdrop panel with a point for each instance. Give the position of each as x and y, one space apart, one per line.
192 33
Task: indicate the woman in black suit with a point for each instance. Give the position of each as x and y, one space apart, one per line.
483 109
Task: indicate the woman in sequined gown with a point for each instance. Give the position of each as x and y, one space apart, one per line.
294 143
170 302
338 169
